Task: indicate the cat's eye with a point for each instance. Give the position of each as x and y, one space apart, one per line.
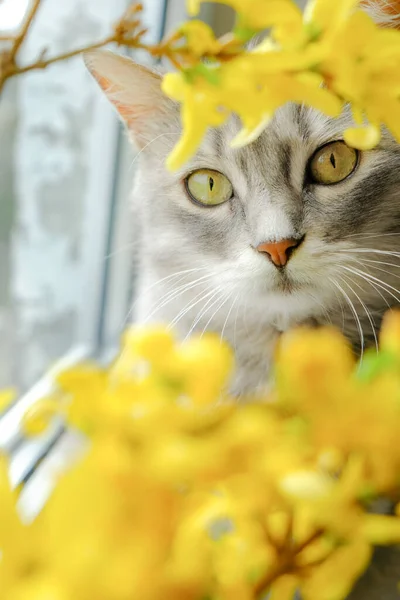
208 187
333 163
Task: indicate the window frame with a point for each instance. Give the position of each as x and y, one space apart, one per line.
106 297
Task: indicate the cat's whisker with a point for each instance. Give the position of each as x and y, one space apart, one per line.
224 301
339 299
227 318
209 304
376 288
324 309
245 315
191 304
355 314
379 282
235 327
178 274
386 271
135 158
175 293
366 310
362 263
342 309
368 251
369 235
379 262
169 277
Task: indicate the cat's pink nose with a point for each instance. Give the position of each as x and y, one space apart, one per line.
279 252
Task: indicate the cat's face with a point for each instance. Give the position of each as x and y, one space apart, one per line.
342 219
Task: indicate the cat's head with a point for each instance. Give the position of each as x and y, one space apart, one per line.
296 224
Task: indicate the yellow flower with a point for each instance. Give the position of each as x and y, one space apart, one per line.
363 138
325 583
200 38
40 588
328 16
6 398
10 523
335 44
284 588
258 14
193 6
205 365
39 416
200 109
381 529
390 333
186 496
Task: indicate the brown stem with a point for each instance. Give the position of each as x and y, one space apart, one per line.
286 563
262 586
43 63
18 40
127 32
308 541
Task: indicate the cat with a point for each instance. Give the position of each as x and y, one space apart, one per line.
220 267
285 247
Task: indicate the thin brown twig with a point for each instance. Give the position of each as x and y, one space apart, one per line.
287 562
42 63
20 37
127 32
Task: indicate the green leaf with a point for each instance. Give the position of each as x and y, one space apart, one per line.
374 364
208 72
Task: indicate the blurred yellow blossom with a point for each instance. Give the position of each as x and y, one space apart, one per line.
182 494
332 55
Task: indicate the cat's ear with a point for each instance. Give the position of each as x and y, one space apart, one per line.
385 13
135 91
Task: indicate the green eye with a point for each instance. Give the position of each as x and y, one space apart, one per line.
332 163
208 187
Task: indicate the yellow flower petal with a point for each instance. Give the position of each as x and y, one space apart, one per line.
193 7
362 138
325 583
381 529
390 332
260 14
284 588
327 14
306 485
39 416
246 135
189 142
6 398
200 38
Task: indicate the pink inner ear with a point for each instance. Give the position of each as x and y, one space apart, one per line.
129 113
124 110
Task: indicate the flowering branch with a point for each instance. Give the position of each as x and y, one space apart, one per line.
127 32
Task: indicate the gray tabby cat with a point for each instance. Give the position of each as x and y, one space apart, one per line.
294 228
